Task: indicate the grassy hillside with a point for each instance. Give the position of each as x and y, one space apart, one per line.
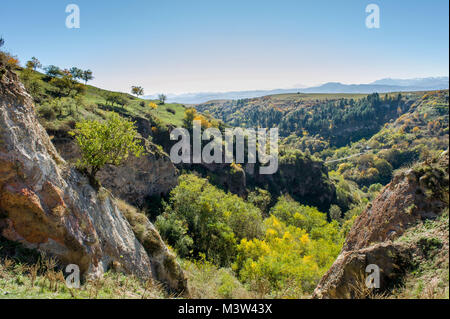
59 110
135 107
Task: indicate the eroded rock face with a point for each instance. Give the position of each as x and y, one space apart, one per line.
163 262
416 194
136 180
400 205
140 178
347 274
47 206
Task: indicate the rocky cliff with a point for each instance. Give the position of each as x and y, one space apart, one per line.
414 196
137 179
48 206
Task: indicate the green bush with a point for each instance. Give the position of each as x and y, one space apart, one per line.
108 142
261 198
47 112
292 213
202 219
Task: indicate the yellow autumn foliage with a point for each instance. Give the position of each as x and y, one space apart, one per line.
289 258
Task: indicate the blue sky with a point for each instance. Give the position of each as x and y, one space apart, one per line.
192 45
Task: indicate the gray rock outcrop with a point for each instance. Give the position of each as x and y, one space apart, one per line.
50 207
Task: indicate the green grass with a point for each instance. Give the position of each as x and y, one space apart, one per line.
168 118
24 273
429 276
134 108
208 281
97 106
17 283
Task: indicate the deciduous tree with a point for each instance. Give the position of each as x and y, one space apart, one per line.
108 142
137 90
162 98
87 76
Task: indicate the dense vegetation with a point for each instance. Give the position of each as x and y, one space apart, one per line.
238 234
282 255
418 134
374 134
337 121
201 219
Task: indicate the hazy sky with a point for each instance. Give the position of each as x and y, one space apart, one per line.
191 46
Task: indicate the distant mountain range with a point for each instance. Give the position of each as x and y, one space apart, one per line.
421 82
380 86
195 98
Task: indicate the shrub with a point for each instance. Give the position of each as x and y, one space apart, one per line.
289 260
64 86
298 247
13 62
292 213
8 60
201 219
109 142
207 281
260 198
47 112
116 98
374 188
335 213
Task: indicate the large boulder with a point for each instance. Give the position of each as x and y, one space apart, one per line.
346 277
48 206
